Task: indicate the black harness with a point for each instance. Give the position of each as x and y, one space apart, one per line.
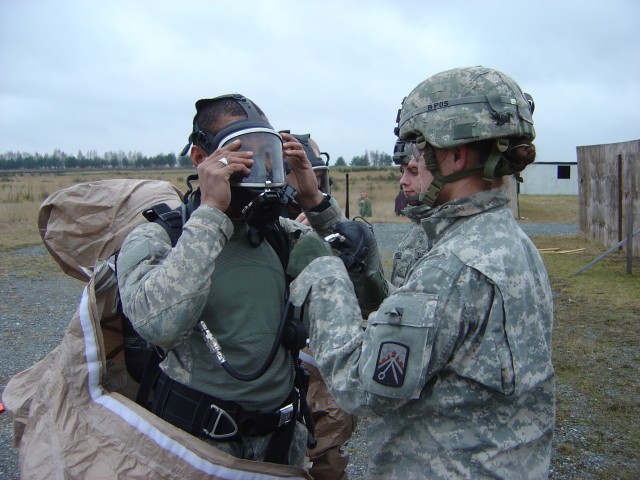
212 418
201 414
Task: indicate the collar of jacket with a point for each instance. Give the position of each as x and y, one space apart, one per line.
435 221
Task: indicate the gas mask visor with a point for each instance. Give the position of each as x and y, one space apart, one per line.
322 177
268 166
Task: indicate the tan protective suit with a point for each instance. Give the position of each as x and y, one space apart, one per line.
333 427
74 413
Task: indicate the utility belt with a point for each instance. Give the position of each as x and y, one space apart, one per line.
205 416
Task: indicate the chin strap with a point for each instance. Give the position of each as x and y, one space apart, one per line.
429 197
495 166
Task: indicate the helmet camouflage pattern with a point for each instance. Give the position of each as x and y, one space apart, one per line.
466 105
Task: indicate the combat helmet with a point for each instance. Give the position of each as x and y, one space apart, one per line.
465 105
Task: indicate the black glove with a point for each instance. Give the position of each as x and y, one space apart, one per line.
354 241
359 252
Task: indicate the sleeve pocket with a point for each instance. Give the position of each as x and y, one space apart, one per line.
400 340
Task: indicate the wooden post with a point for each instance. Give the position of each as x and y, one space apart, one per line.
629 241
620 197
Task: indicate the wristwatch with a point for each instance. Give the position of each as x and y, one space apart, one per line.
322 206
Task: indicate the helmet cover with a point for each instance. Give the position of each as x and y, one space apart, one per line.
465 105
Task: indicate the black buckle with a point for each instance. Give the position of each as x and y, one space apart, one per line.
216 414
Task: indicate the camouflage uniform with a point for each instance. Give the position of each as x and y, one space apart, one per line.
455 366
166 291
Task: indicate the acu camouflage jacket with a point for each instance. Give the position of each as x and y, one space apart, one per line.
455 366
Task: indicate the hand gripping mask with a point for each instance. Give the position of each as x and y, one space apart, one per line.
319 165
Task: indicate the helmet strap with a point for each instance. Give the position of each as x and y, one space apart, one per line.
430 196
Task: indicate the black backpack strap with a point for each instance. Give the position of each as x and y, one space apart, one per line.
171 220
142 359
150 356
278 238
150 374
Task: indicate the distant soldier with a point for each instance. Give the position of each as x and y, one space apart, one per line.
365 205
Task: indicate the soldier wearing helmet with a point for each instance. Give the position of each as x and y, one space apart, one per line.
455 365
450 113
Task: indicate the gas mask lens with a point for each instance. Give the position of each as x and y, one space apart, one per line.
322 177
268 166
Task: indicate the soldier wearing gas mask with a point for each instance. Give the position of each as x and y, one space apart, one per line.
455 366
215 300
320 166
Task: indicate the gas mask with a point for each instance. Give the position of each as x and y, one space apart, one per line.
319 165
260 196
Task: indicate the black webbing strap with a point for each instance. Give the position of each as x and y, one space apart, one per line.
280 441
170 220
205 416
150 375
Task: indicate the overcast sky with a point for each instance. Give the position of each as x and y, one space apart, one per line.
124 75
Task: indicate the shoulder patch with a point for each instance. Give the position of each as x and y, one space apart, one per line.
391 365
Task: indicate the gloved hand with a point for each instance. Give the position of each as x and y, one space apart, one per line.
354 241
359 252
308 247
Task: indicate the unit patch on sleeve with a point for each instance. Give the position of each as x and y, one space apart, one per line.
391 365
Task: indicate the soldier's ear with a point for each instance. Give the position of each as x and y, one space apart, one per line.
461 157
198 155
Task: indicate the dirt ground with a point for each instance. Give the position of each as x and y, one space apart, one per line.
596 356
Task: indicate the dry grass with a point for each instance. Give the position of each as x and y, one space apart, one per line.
22 193
548 208
381 186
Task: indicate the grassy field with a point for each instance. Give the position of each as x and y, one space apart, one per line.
596 334
22 193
